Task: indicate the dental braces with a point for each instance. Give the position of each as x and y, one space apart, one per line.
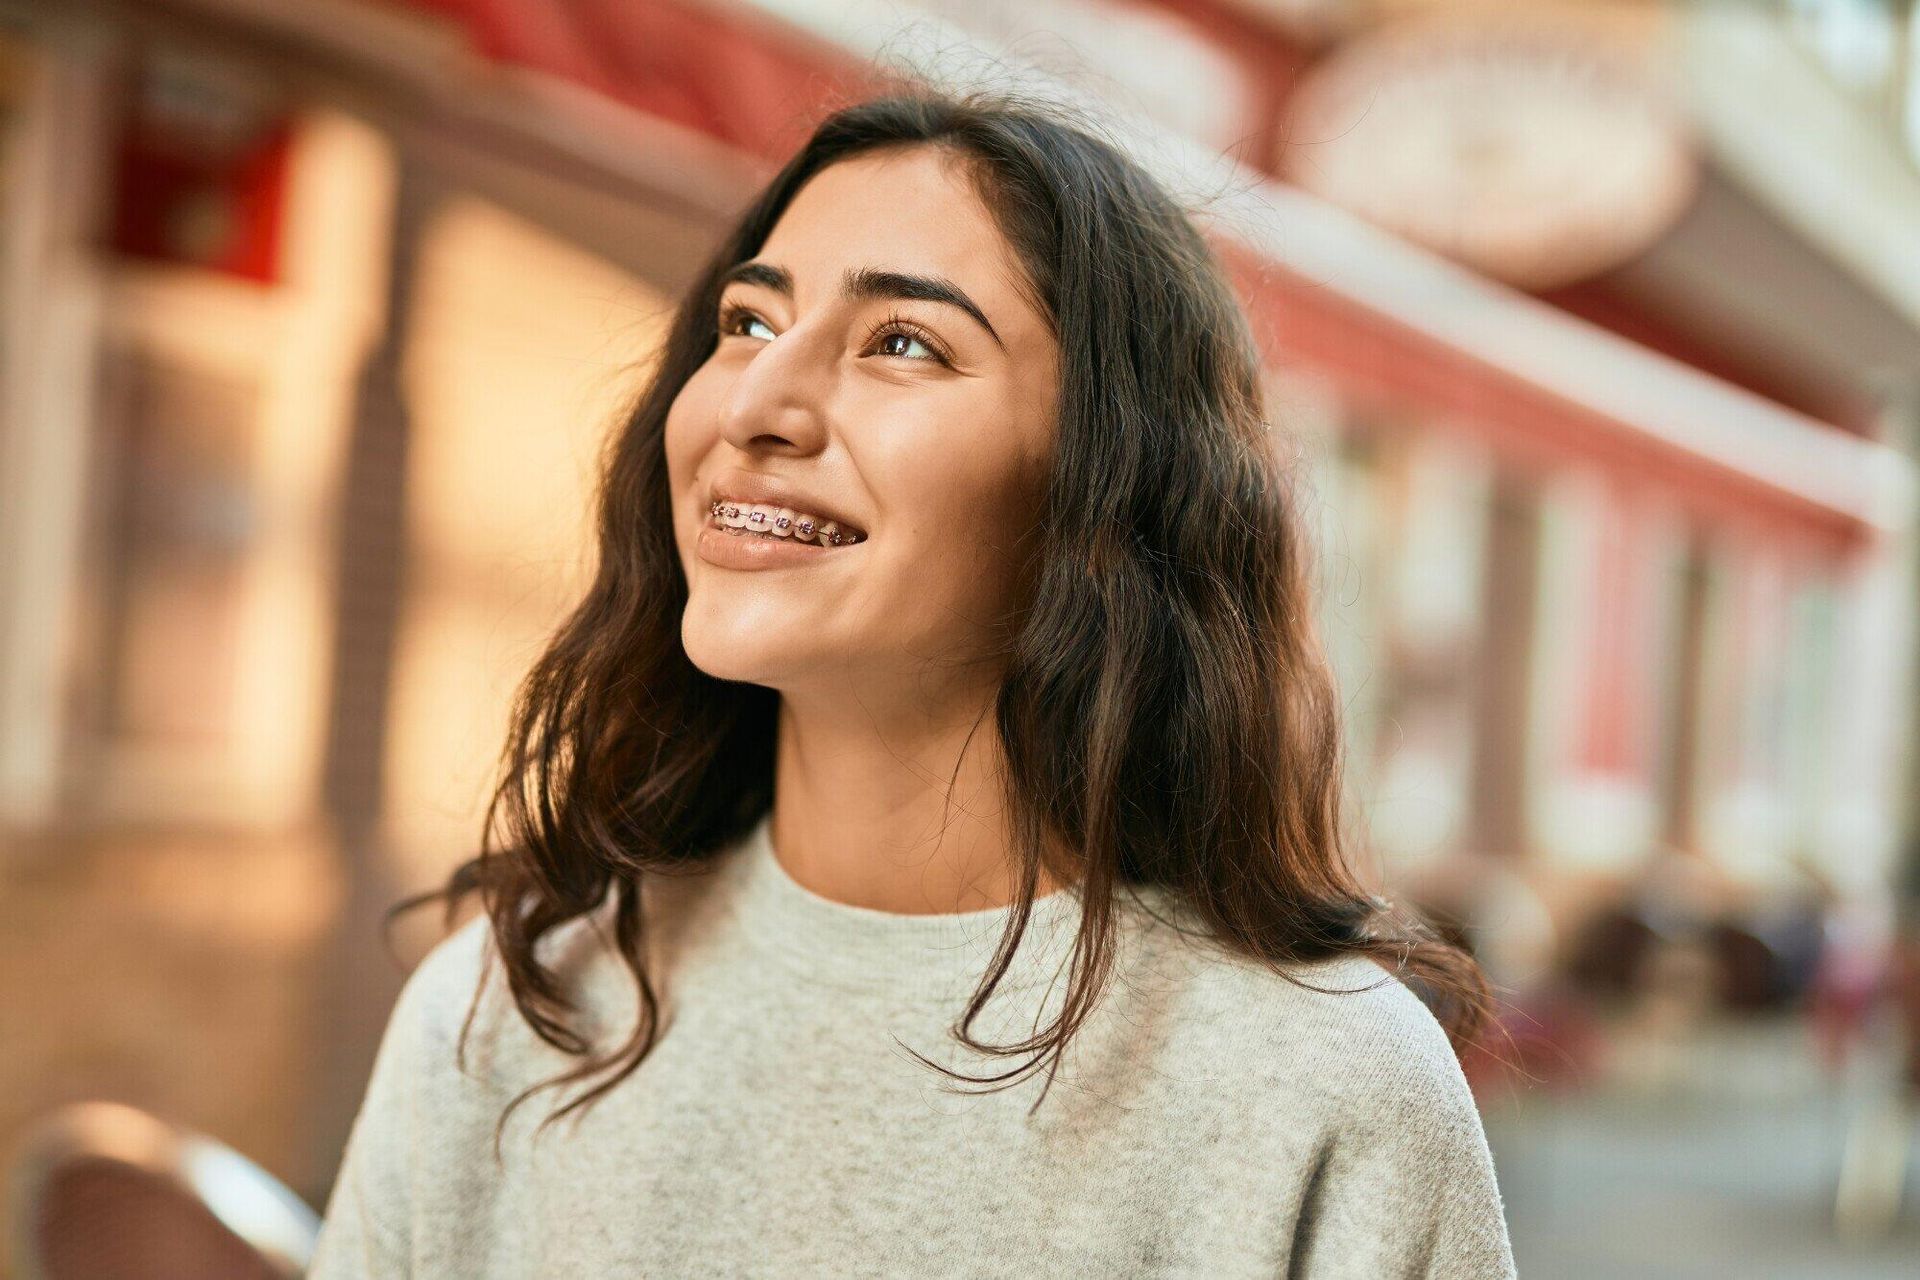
758 519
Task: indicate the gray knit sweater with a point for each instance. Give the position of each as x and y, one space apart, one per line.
1211 1119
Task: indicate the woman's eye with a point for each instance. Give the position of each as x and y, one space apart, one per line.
888 333
737 317
908 342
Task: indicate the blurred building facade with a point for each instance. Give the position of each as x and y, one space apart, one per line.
315 316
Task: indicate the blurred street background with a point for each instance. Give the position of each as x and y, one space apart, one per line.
1597 325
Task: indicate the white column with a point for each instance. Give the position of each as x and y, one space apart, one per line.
49 293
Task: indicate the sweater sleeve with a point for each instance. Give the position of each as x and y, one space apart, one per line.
364 1232
1405 1184
367 1228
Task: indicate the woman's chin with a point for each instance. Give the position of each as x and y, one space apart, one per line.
731 652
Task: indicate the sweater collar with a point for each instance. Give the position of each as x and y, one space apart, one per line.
838 944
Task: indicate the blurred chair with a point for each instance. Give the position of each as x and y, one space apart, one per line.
1542 1033
108 1192
1609 953
1768 960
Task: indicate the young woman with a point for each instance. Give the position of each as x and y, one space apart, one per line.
922 843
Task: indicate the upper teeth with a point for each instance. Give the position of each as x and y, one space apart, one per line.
780 522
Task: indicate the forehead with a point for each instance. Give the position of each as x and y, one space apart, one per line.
911 210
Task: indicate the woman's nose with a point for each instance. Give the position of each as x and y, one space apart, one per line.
776 399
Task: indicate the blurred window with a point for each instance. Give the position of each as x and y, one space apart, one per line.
174 549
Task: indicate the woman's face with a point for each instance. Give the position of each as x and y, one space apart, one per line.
928 428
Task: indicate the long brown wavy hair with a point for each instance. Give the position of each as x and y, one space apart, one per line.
1167 713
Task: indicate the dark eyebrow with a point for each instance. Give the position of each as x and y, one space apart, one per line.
764 274
869 282
865 283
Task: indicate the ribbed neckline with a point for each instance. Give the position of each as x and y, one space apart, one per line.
838 944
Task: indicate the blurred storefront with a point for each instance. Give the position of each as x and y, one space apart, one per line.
315 315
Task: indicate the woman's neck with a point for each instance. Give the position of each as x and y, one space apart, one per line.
906 815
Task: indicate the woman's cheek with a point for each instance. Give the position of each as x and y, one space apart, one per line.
692 408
